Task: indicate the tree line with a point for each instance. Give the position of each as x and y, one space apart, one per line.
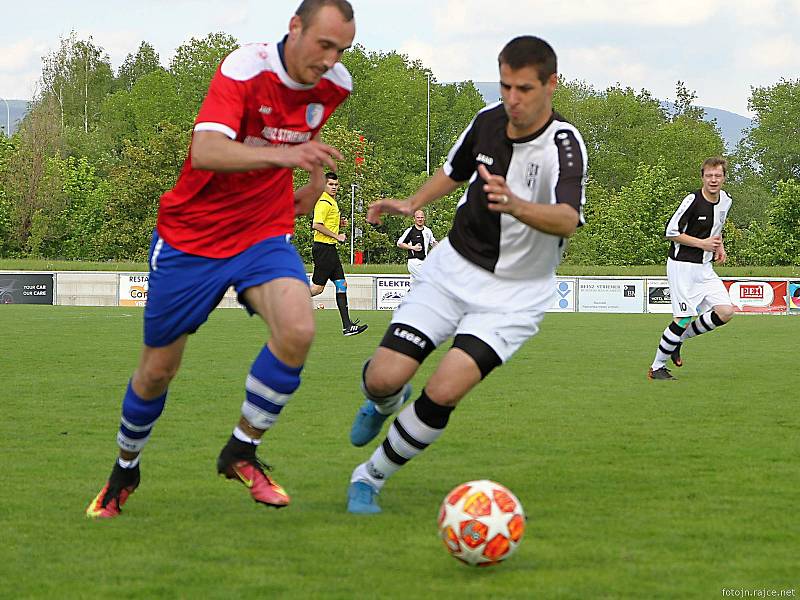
82 176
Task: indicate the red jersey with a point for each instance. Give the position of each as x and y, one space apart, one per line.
252 100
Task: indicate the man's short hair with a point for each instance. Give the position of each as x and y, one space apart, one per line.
714 161
309 8
529 51
331 175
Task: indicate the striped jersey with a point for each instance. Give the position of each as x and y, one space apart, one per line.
698 218
251 99
546 167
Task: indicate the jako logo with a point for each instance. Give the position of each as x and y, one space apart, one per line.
487 160
411 337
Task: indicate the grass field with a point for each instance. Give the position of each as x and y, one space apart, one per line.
633 489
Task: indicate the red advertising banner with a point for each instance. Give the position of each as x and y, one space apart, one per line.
750 296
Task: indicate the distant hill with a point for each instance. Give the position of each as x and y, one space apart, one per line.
731 125
16 111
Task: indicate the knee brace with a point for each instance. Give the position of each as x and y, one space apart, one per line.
481 352
408 340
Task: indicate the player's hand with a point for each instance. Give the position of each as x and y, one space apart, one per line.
720 255
341 237
343 222
387 206
309 156
497 192
417 247
711 244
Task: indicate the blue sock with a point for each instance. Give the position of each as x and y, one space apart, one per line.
137 420
269 387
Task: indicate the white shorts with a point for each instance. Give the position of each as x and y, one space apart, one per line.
414 267
453 296
694 288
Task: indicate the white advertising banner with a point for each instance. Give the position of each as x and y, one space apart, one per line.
658 298
611 295
390 291
564 300
133 289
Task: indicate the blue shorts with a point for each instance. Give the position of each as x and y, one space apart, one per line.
185 288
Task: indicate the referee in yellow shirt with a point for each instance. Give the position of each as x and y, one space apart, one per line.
327 265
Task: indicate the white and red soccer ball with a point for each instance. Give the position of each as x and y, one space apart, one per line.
481 522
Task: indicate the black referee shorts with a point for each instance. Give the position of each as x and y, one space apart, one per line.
326 263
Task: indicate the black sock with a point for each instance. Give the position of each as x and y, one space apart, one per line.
341 302
236 449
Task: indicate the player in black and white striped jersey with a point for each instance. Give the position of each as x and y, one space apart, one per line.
695 231
489 283
417 240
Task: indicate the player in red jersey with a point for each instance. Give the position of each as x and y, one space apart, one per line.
228 222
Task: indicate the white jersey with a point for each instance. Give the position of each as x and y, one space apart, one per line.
546 167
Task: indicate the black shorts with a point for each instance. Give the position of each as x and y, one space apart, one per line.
327 264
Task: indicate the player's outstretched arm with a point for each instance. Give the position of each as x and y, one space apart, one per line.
214 151
437 186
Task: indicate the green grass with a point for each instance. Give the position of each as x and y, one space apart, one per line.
634 489
24 264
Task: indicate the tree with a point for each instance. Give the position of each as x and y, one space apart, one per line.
389 105
138 113
138 65
77 76
623 129
772 146
627 227
144 172
193 66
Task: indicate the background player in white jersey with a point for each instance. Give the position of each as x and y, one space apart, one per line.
228 222
490 282
695 231
417 240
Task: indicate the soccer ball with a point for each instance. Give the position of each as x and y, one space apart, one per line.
320 306
481 523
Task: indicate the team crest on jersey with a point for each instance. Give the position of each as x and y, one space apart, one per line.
314 112
531 173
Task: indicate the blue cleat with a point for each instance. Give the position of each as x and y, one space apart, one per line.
368 421
362 499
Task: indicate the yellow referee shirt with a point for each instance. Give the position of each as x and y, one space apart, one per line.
326 211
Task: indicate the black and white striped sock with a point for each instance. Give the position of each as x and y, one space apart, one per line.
706 322
669 341
415 428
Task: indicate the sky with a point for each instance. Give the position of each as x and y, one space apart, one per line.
719 48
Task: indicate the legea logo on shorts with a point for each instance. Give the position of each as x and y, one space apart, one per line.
751 293
411 337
